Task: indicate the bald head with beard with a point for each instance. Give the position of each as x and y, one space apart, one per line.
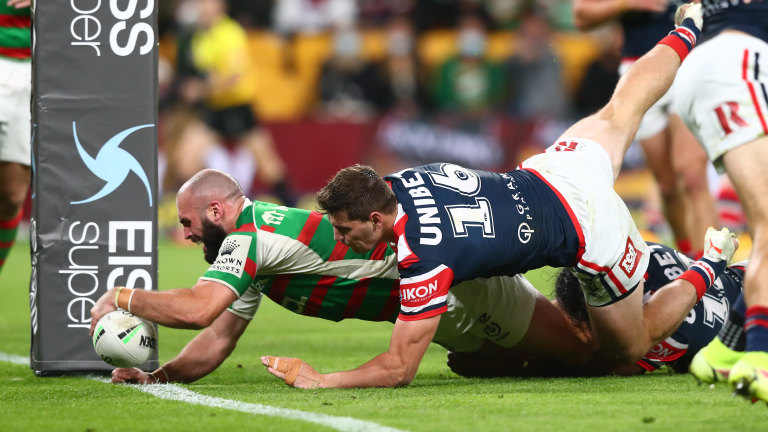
209 192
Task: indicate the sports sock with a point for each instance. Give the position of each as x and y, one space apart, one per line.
683 38
8 231
702 274
732 333
685 246
756 326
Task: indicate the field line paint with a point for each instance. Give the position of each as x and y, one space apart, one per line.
177 393
15 359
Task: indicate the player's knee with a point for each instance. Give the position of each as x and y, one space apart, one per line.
12 198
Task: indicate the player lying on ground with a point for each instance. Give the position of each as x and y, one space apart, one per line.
290 255
700 327
453 224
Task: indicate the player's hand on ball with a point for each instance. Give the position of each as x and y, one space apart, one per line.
295 372
103 306
132 376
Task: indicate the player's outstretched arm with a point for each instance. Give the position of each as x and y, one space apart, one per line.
396 367
194 308
666 309
202 355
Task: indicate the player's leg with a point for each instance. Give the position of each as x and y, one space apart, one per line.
689 163
746 168
14 183
492 323
675 205
615 125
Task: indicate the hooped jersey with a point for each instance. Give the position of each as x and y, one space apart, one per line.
15 32
454 224
705 319
750 16
291 256
642 30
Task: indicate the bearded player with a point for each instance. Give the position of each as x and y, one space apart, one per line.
290 256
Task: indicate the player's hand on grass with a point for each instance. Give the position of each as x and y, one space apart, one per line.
103 306
295 372
132 376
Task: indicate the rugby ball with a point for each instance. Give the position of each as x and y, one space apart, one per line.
123 339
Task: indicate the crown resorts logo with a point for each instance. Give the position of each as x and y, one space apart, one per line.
228 247
112 164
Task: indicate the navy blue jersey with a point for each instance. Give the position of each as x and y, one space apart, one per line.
705 319
455 224
748 16
642 30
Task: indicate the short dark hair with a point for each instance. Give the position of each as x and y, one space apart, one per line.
358 191
570 296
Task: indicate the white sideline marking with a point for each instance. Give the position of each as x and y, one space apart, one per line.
15 359
181 394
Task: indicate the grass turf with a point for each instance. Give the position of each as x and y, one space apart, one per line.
437 399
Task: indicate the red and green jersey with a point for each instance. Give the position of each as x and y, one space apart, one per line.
15 32
290 255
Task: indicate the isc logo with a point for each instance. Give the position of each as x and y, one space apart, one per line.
148 342
630 259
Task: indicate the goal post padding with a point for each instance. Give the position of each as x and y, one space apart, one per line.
94 157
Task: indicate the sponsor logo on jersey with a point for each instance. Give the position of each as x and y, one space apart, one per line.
233 255
420 292
524 232
112 164
272 217
667 351
630 259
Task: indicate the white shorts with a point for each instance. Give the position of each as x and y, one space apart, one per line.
723 94
615 256
496 309
656 118
15 111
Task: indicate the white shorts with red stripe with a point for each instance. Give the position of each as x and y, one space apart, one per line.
615 256
15 90
722 93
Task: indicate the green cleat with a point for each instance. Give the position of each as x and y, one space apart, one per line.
749 376
713 363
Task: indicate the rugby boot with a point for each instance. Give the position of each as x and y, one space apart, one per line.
749 376
713 363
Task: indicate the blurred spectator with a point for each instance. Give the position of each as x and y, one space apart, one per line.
221 89
602 74
535 84
468 84
350 87
403 71
312 16
252 14
378 13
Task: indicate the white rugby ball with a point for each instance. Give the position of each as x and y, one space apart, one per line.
123 339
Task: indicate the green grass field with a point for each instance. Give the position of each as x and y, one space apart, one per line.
437 400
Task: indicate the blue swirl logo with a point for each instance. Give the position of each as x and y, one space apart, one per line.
112 164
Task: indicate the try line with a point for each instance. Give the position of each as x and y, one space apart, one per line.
177 393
